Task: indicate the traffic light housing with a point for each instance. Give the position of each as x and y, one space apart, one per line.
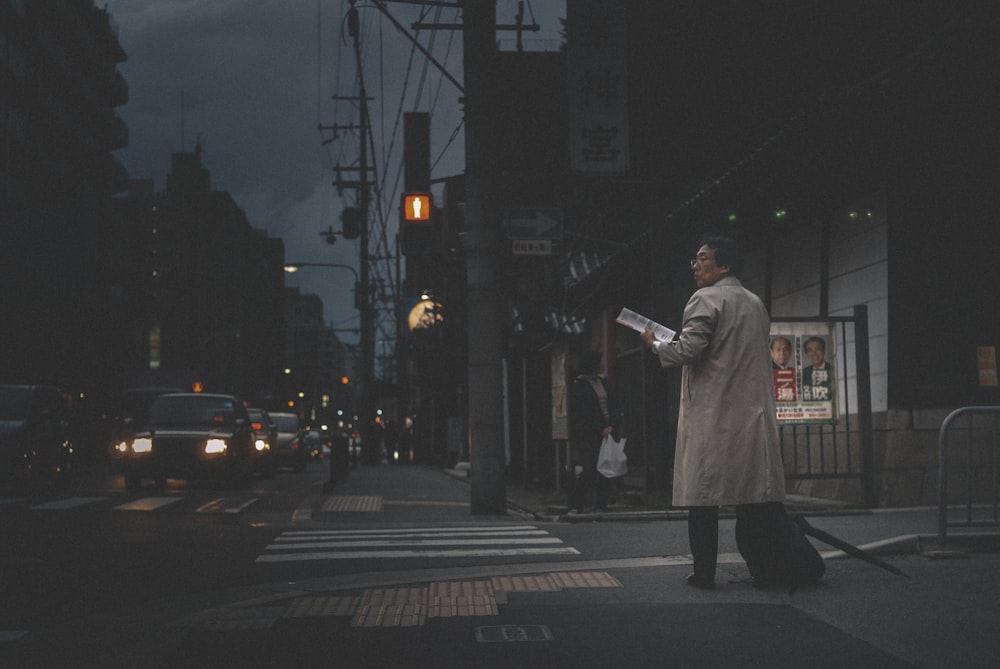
350 219
418 223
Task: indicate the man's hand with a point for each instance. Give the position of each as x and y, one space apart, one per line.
647 337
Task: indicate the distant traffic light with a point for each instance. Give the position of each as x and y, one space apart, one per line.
350 219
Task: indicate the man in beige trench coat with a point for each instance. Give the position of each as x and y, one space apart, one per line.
727 434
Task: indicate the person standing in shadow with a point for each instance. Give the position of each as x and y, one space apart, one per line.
593 414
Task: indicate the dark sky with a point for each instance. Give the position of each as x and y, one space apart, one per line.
252 81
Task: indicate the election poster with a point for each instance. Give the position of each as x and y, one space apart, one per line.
804 370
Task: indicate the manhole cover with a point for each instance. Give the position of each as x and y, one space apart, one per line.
493 633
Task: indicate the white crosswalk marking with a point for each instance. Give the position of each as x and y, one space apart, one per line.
230 505
67 503
147 503
491 541
226 505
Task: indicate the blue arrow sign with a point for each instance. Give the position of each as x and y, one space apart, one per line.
531 223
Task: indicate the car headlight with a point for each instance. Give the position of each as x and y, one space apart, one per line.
215 446
142 445
261 445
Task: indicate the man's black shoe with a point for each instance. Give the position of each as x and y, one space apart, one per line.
700 582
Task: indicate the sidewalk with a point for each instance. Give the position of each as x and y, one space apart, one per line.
898 530
634 612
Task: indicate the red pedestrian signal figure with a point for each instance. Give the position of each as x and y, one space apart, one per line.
416 207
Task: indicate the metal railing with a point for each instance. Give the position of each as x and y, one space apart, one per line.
970 468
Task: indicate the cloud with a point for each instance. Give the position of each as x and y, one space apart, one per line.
254 80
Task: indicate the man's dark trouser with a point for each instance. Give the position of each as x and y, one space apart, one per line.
761 523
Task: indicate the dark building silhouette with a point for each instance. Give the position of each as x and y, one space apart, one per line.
59 87
205 290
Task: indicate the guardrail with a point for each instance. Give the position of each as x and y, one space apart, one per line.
946 425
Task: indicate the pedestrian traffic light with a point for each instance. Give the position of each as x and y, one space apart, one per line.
417 223
417 207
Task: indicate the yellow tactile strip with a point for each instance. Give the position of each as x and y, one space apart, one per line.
585 579
366 503
461 598
529 583
392 607
408 607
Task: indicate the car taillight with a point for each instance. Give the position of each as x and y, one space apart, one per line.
257 427
294 445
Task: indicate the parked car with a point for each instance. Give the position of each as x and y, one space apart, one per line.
191 436
35 436
265 440
291 450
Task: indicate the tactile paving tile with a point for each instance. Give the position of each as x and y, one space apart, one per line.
364 503
585 579
524 583
322 606
392 607
461 598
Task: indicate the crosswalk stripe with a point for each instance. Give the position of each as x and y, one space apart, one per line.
232 505
436 542
518 529
413 534
147 504
422 542
226 505
67 503
348 555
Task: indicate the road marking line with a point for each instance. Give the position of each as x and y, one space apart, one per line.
457 528
226 505
147 504
420 542
348 555
407 535
68 503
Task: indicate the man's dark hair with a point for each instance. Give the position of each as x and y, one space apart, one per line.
822 343
727 253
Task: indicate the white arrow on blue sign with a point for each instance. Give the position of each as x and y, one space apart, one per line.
531 223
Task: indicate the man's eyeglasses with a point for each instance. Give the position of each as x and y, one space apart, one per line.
700 259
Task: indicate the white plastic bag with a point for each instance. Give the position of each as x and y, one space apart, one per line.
612 461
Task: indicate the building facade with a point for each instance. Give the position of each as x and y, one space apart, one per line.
59 88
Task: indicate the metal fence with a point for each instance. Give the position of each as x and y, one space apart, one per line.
842 448
979 467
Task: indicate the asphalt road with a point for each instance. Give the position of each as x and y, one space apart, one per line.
349 581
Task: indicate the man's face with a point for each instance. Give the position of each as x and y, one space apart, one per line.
781 351
706 272
814 351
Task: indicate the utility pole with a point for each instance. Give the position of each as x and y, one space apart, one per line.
482 245
370 453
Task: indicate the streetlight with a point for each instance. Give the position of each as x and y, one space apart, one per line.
293 267
367 375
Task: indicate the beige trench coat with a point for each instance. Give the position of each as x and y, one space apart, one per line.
727 433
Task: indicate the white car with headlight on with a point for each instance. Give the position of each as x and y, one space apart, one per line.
190 436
